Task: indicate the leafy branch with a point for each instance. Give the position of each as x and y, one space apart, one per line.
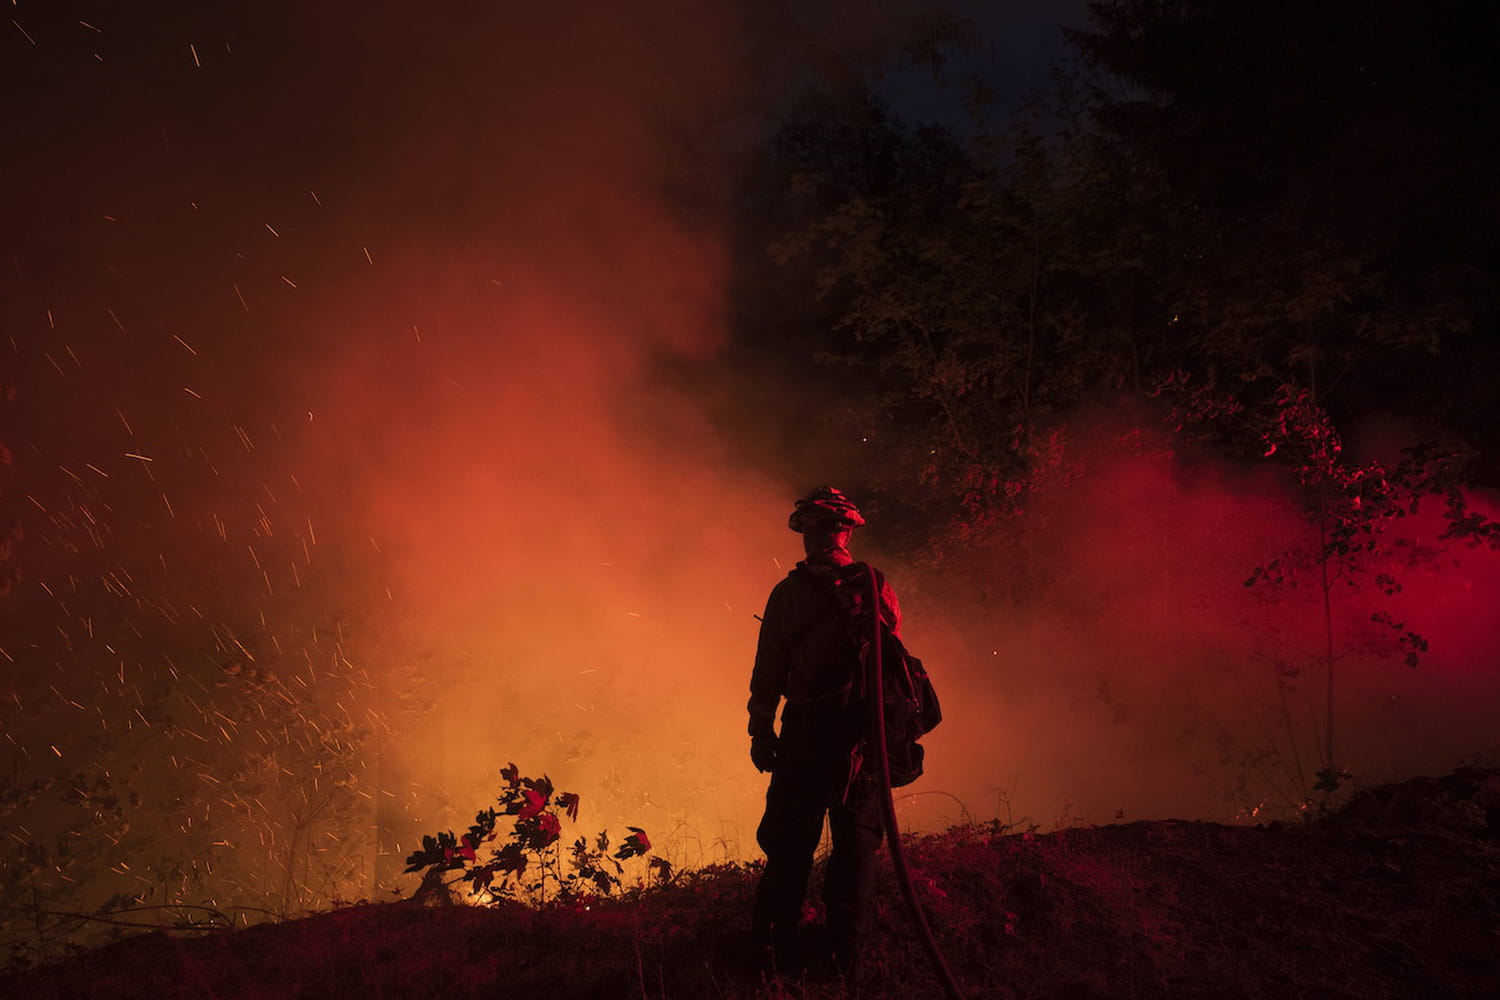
533 844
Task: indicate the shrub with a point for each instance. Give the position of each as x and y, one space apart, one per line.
531 857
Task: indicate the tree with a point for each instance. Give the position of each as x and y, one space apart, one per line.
967 296
1332 170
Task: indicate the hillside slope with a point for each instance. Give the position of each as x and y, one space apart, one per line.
1398 895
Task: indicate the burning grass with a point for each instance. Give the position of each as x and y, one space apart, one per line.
1396 895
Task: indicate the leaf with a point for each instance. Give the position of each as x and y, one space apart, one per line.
634 845
548 828
568 802
511 860
535 803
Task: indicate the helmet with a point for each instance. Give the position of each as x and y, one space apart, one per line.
824 504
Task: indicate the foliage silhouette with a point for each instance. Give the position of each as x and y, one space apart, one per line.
533 845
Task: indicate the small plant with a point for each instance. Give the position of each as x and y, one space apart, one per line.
531 856
1357 510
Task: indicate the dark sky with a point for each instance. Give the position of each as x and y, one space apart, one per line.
1015 47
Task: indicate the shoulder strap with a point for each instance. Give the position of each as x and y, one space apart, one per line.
843 586
818 581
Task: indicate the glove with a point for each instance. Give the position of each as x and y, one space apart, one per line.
763 753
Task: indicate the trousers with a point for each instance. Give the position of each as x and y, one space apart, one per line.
811 781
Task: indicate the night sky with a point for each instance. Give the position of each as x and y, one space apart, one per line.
341 451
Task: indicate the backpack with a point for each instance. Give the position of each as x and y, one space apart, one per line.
910 705
910 702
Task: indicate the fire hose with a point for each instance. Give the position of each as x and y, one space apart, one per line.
876 690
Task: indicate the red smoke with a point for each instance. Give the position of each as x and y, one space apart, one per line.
1149 678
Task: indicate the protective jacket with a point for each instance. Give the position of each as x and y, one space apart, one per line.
806 653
